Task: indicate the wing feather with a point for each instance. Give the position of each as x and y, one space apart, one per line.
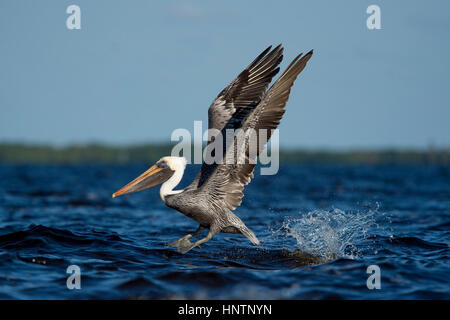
227 181
246 91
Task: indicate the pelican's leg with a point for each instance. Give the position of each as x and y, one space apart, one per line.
184 241
183 250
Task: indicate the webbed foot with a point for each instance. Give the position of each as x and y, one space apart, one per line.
181 243
184 250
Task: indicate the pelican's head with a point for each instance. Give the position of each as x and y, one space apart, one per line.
159 173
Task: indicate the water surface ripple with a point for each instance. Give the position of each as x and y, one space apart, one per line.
320 228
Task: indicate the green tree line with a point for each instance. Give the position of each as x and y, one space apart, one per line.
97 153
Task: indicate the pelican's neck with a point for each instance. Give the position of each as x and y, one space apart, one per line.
167 187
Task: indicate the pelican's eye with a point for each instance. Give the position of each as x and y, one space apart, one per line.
162 165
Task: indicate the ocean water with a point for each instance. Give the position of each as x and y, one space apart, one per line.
320 228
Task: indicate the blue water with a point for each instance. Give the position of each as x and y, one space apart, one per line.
320 228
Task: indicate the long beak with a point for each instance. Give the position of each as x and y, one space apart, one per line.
150 178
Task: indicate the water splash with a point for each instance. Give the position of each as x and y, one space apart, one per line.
331 234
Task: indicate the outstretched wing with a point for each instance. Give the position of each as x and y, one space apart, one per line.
226 182
246 91
242 95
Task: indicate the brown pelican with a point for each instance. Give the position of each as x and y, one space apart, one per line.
218 188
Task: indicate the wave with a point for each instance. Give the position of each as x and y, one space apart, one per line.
36 236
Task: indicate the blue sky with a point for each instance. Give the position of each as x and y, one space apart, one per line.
137 70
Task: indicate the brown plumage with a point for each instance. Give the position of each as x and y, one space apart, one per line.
245 104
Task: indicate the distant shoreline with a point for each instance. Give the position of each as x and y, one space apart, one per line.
18 153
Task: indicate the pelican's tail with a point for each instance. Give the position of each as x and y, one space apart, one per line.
250 235
238 226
